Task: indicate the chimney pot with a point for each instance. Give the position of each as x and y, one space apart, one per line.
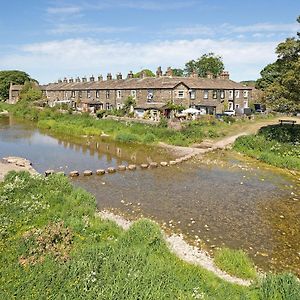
100 78
84 79
130 75
159 72
92 78
109 76
119 76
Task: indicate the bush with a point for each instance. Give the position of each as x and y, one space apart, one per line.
125 137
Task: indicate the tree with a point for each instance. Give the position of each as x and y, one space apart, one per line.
13 76
30 92
207 63
129 105
178 72
281 80
147 72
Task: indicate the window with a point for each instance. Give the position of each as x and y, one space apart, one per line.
107 94
150 96
222 94
180 94
80 94
66 95
215 94
246 104
89 94
205 94
133 94
97 94
237 94
230 92
192 94
73 94
119 94
237 106
245 94
107 106
119 106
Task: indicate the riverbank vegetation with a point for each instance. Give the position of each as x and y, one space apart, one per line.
82 124
278 145
53 245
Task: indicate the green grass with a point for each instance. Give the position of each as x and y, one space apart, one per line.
53 246
278 145
235 262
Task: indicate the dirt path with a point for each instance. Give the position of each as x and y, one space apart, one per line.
183 250
210 145
13 163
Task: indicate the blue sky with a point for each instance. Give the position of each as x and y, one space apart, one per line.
57 38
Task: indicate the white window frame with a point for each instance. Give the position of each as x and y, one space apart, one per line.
97 94
119 106
107 106
88 94
222 94
215 94
237 94
119 94
230 94
133 94
205 94
180 94
192 94
245 93
246 104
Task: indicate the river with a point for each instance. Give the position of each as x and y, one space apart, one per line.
222 200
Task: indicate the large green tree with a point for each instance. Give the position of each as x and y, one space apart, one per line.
280 80
207 63
147 72
14 76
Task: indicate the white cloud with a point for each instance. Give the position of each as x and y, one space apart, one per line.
85 28
257 30
51 60
64 10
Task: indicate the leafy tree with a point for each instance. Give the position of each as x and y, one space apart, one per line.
14 76
129 104
281 80
147 72
30 92
207 63
178 72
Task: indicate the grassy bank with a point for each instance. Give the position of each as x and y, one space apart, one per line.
77 125
278 145
54 246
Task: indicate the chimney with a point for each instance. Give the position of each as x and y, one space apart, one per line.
159 72
209 75
119 76
59 81
130 75
71 80
92 78
194 74
169 72
109 76
84 79
77 79
224 75
100 78
65 80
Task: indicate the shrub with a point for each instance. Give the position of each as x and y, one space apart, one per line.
126 137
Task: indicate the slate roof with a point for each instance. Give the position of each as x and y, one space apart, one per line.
147 83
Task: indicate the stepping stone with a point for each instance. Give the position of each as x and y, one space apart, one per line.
74 174
144 166
131 167
164 164
87 173
172 162
121 168
153 164
111 170
100 172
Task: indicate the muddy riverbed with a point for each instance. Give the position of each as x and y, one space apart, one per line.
220 200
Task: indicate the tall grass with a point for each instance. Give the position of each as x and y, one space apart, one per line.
277 145
235 262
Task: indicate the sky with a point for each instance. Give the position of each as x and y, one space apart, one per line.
53 39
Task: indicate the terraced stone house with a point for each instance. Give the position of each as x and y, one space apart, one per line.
209 95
